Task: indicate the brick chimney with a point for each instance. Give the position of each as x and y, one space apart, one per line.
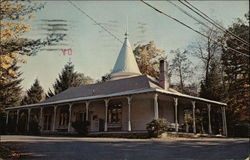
163 79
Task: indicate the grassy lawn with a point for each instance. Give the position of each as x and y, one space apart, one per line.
7 154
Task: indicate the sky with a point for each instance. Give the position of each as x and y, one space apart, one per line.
94 51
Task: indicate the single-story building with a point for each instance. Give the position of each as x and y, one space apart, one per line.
125 103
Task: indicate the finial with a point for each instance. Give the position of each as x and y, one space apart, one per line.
126 34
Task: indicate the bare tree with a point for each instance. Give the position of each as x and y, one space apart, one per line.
181 67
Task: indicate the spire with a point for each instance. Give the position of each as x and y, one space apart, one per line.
125 65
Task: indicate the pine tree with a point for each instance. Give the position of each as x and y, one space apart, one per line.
10 90
34 94
68 78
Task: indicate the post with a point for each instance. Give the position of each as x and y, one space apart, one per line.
54 119
209 119
156 110
176 113
194 125
106 115
7 117
28 122
87 111
69 123
224 121
41 118
17 118
129 110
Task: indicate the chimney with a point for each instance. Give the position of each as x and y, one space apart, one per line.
163 79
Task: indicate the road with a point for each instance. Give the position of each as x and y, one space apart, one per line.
75 148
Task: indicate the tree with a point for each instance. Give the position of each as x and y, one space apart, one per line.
147 57
181 65
34 94
13 16
10 90
68 78
236 68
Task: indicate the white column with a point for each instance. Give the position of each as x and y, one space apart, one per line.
7 117
28 122
209 119
224 121
54 119
156 109
87 110
106 115
194 125
70 113
176 113
129 110
41 118
17 117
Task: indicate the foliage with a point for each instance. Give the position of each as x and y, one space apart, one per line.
68 78
147 57
34 94
81 127
181 65
213 87
156 127
236 68
10 91
13 16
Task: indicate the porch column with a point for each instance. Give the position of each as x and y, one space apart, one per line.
176 113
129 110
87 111
224 121
41 118
28 122
7 117
106 115
70 113
17 117
54 119
194 125
156 106
209 119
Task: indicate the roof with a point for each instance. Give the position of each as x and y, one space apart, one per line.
105 88
126 62
121 87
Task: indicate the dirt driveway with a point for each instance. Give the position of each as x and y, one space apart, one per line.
71 148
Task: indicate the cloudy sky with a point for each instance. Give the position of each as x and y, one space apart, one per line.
94 51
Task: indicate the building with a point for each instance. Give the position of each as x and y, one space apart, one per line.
126 103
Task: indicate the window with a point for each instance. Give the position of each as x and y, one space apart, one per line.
115 114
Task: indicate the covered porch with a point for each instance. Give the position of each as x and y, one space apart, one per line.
121 112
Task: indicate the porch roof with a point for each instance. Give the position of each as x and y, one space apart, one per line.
115 88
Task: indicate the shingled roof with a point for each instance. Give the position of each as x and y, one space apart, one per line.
115 86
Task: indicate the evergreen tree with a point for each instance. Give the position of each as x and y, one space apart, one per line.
68 78
34 94
10 90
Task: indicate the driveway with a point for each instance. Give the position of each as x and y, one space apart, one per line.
74 148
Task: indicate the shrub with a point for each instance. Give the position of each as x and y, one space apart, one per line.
81 127
156 127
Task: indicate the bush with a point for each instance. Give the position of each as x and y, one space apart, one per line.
81 127
156 127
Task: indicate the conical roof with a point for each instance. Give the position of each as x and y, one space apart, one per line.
125 65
